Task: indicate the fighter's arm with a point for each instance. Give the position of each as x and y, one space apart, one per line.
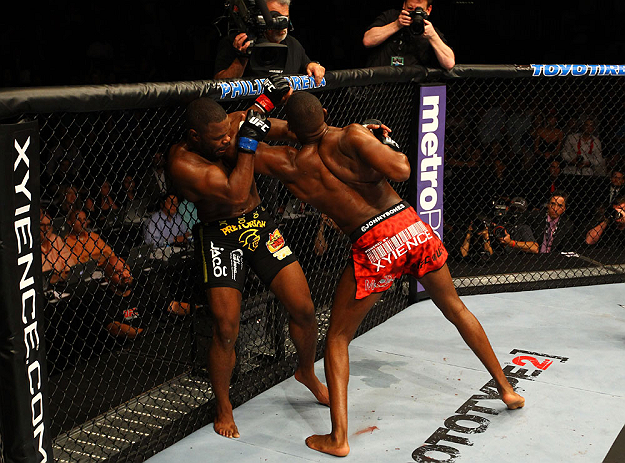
275 161
359 142
211 183
279 131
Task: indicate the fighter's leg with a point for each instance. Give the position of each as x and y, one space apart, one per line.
440 287
291 288
225 305
346 315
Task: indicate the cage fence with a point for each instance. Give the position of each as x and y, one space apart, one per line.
531 170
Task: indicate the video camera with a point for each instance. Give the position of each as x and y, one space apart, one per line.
418 15
506 216
254 18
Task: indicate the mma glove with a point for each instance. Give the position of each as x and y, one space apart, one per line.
253 130
379 134
274 89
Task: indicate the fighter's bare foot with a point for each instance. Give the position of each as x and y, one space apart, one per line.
319 390
326 444
512 400
224 426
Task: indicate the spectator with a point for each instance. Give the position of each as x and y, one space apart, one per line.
54 254
63 176
154 184
321 244
492 124
233 53
166 226
500 174
103 203
553 231
547 183
610 231
518 128
129 187
82 245
612 189
189 213
548 143
69 198
582 152
134 204
66 150
395 39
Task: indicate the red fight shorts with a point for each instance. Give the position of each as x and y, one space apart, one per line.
391 244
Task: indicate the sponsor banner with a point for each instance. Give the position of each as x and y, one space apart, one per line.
235 89
551 70
24 411
446 443
430 147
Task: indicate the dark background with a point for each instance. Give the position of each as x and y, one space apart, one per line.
69 42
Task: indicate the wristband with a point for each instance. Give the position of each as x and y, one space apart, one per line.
247 144
513 244
265 103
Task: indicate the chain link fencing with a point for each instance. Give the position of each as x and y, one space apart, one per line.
127 328
534 181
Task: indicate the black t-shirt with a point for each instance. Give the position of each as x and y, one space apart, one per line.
296 58
402 46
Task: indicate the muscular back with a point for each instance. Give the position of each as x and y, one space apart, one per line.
343 175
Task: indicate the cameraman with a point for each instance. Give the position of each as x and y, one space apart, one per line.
505 225
612 226
233 53
407 37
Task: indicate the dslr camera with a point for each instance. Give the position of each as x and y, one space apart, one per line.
418 15
254 18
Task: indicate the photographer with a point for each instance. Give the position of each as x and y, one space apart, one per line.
506 224
407 37
611 229
233 53
477 232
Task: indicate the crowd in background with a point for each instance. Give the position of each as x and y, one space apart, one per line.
522 148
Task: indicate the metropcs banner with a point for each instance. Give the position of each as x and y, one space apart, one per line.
430 148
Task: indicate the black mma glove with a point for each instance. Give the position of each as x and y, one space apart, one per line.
253 130
379 134
274 89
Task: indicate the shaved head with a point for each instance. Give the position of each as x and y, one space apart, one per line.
304 113
202 112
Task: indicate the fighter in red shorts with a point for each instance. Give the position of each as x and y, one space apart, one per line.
391 244
343 173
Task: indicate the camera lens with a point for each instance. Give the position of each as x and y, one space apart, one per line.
418 26
499 232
